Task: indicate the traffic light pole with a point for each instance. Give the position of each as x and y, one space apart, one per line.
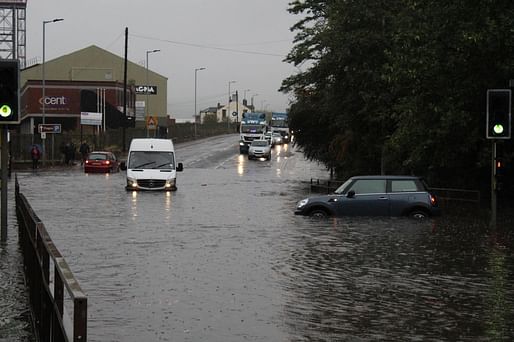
492 223
4 165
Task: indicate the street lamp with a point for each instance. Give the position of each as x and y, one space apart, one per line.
196 71
228 105
43 80
244 97
147 98
254 95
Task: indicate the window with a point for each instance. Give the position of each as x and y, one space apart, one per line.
369 186
403 186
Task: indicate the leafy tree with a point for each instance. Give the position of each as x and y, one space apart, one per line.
398 86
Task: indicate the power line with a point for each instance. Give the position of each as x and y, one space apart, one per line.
200 46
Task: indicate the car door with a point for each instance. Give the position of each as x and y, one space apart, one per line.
370 199
403 195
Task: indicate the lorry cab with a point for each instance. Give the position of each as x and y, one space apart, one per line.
151 165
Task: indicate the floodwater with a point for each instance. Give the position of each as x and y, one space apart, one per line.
15 324
225 259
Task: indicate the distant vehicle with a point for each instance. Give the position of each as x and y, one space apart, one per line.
277 138
101 161
151 165
269 136
259 149
253 126
279 123
374 196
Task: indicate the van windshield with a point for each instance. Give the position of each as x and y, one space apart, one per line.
151 160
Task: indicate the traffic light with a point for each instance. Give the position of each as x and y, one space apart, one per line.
498 113
9 92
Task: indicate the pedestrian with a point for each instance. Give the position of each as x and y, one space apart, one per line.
36 155
67 153
84 151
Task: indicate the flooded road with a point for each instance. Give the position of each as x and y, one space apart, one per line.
225 259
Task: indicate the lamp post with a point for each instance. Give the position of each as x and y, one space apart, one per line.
254 95
43 80
147 98
244 97
196 71
228 105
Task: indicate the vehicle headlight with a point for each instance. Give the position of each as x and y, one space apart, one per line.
132 182
169 183
302 203
241 143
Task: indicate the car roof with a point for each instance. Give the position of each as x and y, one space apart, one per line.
100 152
385 177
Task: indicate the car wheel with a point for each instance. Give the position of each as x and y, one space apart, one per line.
318 213
418 214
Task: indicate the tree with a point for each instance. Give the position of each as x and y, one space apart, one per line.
398 86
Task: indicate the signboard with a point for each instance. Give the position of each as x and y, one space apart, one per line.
90 118
151 122
146 90
140 110
49 128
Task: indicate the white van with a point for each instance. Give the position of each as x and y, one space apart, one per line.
151 165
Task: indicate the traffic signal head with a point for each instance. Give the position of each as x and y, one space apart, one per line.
498 113
9 92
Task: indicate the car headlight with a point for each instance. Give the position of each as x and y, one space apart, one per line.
169 183
132 182
302 203
241 143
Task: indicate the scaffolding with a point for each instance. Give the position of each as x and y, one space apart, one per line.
13 30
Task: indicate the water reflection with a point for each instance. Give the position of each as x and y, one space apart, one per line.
394 279
241 160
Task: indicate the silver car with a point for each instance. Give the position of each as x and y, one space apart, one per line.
259 149
374 196
277 138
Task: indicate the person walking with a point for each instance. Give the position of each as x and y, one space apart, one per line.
84 151
35 153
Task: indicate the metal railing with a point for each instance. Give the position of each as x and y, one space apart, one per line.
44 265
448 196
326 186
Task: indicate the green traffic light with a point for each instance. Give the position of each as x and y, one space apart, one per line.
498 129
5 111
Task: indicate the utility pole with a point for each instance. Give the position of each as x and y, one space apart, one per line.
124 148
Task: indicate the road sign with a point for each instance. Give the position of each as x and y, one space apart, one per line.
151 122
49 128
91 118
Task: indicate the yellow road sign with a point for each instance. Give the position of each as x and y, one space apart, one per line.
151 122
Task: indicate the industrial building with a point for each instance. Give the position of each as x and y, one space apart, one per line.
90 80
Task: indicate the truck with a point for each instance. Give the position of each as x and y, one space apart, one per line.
253 126
279 124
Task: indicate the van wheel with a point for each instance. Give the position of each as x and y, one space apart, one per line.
319 213
418 214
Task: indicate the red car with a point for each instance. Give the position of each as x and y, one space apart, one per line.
101 161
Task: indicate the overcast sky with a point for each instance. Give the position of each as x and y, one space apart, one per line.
235 40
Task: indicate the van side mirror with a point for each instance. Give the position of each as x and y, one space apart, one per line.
123 166
351 194
180 167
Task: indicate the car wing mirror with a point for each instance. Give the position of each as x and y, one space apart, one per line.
351 194
180 167
123 166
